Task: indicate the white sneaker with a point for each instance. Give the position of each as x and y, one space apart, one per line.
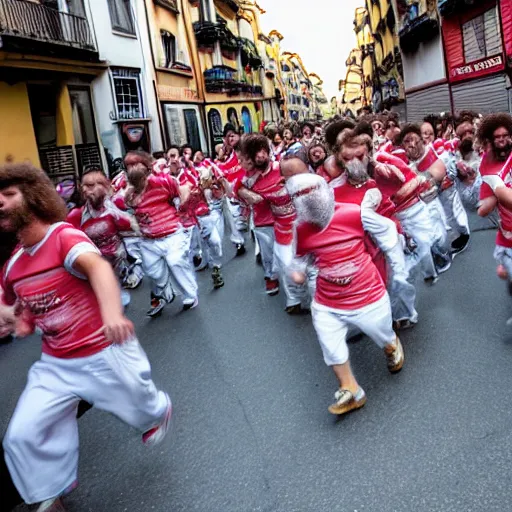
157 434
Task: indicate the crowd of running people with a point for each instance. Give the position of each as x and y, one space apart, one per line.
348 218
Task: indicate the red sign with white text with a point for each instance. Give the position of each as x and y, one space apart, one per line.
478 68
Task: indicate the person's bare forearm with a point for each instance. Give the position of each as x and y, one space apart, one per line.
504 196
104 283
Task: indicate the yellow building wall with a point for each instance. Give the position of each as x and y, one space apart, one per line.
64 118
17 138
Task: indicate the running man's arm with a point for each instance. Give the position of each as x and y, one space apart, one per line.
106 288
487 206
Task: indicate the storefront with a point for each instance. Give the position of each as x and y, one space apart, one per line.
475 45
430 100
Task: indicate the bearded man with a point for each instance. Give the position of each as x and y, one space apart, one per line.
358 185
349 290
496 132
89 349
164 244
263 187
104 223
424 161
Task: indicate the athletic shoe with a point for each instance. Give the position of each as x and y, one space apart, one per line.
190 305
347 401
218 281
432 280
395 357
271 286
296 309
51 505
240 249
157 306
442 262
157 434
460 245
402 325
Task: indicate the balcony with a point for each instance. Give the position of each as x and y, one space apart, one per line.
223 79
249 53
417 30
450 7
209 32
27 26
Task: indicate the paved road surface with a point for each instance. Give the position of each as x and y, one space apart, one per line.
252 431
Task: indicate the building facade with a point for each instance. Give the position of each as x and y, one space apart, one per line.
478 46
48 59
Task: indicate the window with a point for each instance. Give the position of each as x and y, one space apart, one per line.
83 118
169 47
233 118
215 124
482 36
127 93
168 4
192 128
75 7
121 16
246 120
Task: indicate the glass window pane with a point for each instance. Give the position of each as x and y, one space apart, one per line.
83 117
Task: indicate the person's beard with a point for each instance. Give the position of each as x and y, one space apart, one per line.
501 154
137 179
357 171
466 146
96 202
415 153
15 220
261 166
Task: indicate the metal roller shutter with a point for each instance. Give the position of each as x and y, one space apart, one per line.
484 95
429 101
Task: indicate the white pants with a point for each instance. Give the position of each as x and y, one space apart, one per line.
456 215
402 293
196 247
41 443
295 294
417 224
235 221
210 235
165 261
503 256
132 245
332 326
266 240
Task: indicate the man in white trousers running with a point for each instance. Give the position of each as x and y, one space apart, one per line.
89 348
349 292
164 244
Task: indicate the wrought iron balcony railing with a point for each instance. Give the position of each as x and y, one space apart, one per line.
417 30
223 79
25 21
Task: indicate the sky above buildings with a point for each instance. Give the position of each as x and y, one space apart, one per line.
320 31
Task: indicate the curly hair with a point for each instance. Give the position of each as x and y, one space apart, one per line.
406 129
352 139
252 144
334 129
491 123
138 157
39 193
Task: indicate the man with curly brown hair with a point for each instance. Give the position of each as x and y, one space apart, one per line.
495 132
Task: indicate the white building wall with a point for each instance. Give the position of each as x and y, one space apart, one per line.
424 66
125 51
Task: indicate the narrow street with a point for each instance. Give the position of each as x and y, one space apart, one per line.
251 429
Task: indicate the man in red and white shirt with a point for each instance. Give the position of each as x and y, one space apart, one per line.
89 348
104 223
233 171
264 188
424 161
349 291
164 243
496 170
360 185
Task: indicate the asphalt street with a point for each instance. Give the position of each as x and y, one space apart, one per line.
251 428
